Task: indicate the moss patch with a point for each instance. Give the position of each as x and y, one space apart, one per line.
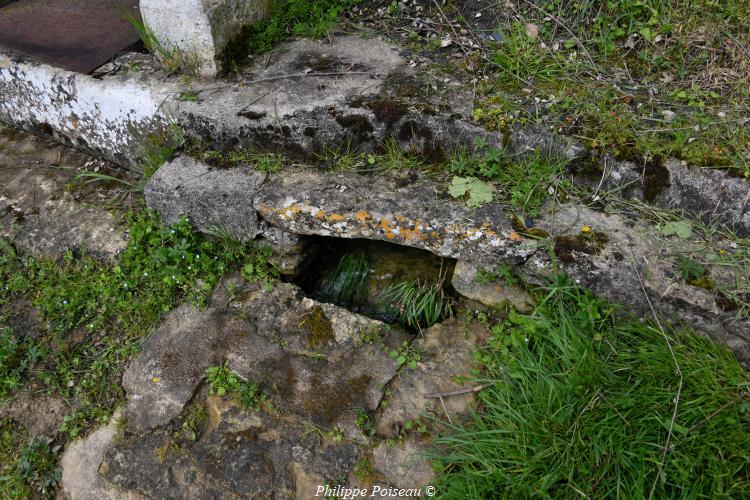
317 326
655 178
590 243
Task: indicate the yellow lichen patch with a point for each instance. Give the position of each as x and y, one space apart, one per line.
514 236
320 215
387 228
400 218
411 234
333 218
362 216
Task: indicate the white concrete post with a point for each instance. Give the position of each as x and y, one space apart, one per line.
200 29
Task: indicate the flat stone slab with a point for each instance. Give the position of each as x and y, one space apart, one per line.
44 210
298 350
240 455
348 93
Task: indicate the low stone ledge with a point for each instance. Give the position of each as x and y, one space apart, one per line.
111 118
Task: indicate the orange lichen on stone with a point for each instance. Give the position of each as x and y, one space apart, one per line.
333 218
514 236
320 215
294 209
411 234
387 228
362 216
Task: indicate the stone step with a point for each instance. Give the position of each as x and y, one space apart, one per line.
308 99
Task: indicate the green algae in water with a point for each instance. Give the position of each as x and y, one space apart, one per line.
347 284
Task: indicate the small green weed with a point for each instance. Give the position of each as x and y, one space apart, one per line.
37 467
224 382
258 269
417 304
690 269
193 422
12 485
694 273
77 422
269 163
503 272
364 470
406 354
188 96
17 355
364 422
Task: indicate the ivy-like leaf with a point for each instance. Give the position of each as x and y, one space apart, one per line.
681 229
479 192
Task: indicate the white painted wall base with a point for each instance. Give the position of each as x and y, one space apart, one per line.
111 118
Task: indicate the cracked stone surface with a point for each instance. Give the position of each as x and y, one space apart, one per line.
447 360
43 210
635 252
240 455
80 465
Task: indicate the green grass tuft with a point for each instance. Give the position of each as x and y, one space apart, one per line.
295 17
417 304
347 284
581 402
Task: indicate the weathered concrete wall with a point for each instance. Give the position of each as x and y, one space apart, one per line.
200 29
110 118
